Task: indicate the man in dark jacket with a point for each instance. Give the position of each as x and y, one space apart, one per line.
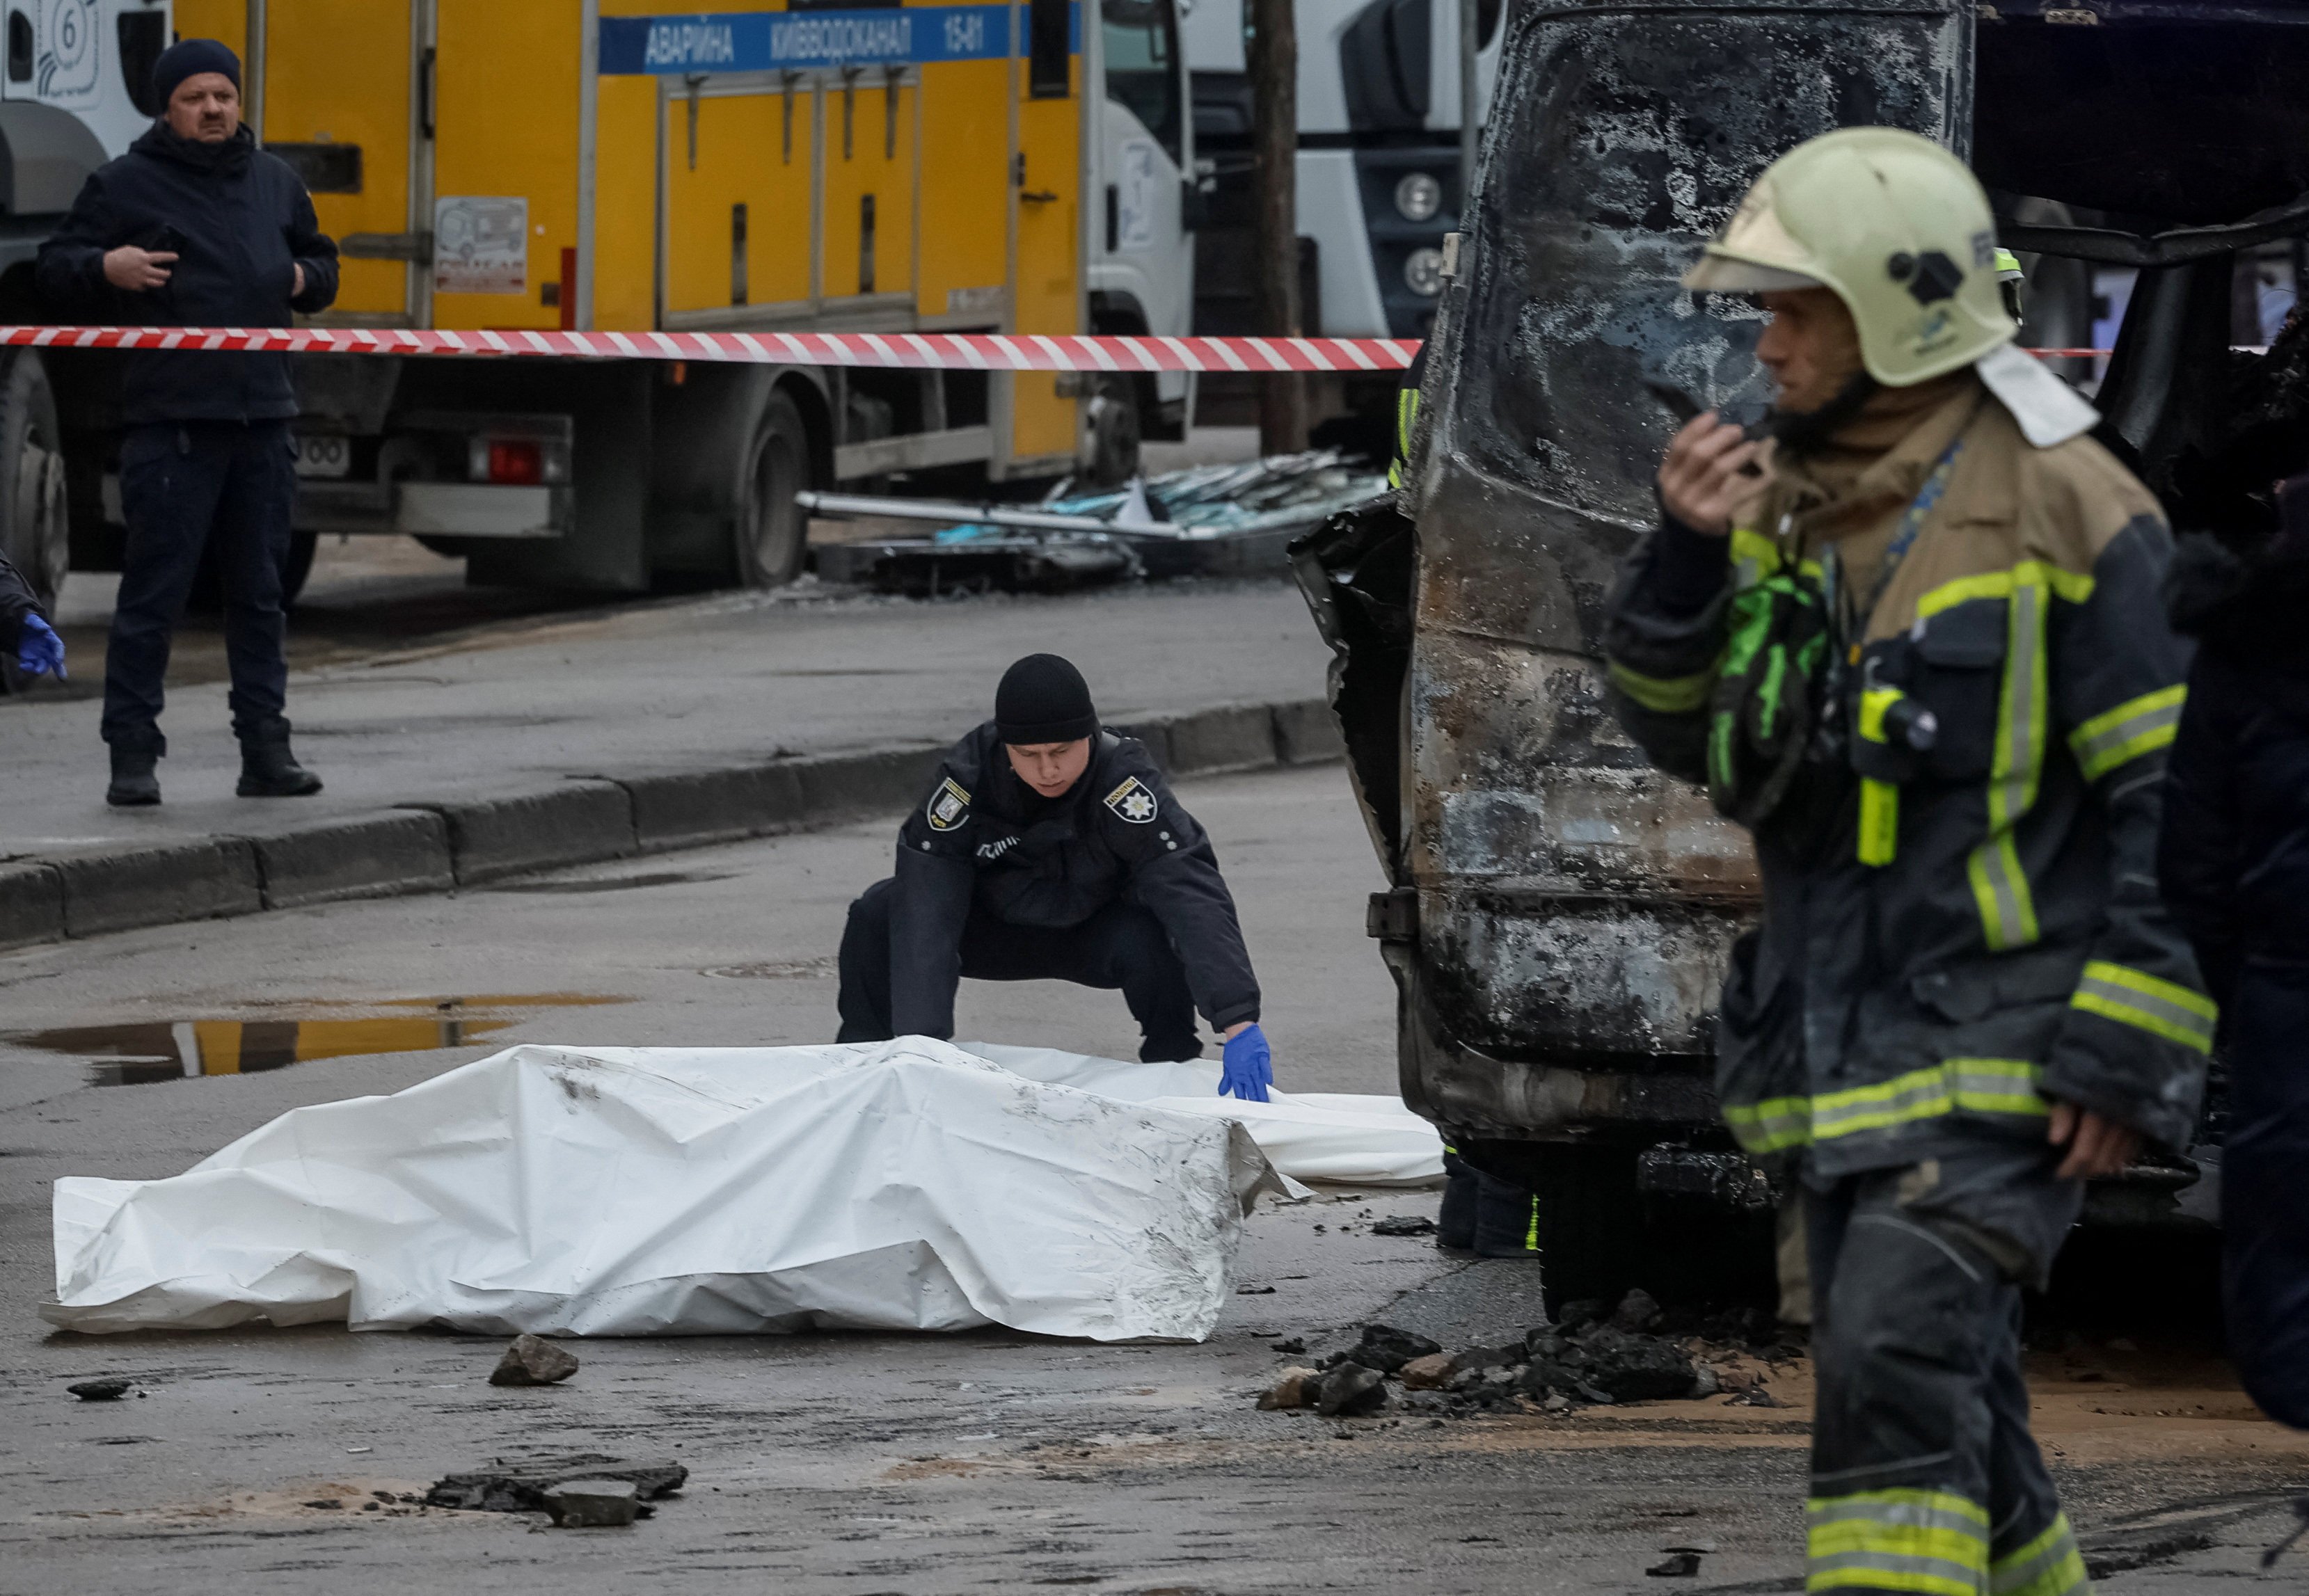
2233 859
1050 848
196 226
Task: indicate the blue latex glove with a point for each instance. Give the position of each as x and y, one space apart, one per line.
39 651
1247 1070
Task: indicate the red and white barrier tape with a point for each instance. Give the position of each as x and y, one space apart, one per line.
963 352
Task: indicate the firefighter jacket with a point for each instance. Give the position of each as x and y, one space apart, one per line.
983 842
1951 932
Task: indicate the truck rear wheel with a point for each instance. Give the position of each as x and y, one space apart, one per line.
773 533
37 531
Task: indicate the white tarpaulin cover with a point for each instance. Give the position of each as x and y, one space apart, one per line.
651 1191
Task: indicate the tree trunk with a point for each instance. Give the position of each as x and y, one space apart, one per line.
1274 49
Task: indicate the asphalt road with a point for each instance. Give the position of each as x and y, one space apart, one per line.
857 1464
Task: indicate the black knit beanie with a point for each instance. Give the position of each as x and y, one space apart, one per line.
1044 699
187 58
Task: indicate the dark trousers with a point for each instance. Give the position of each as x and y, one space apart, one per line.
2265 1189
1121 946
1924 1476
184 487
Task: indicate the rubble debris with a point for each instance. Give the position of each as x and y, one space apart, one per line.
1218 520
1254 1291
1677 1564
1387 1348
1351 1389
1637 1311
1589 1360
1405 1224
1295 1388
1292 1344
532 1361
1430 1373
594 1504
101 1391
324 1503
522 1488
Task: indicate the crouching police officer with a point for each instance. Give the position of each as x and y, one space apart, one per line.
1050 848
1913 642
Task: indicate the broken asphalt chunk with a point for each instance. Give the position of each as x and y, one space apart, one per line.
1677 1565
1405 1224
101 1391
532 1361
1387 1348
1430 1373
522 1488
594 1504
1295 1388
1349 1389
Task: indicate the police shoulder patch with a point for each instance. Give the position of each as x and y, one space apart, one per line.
950 806
1133 802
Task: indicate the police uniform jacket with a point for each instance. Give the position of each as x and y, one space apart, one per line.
2007 943
983 842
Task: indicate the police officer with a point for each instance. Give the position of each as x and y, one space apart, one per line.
1913 642
197 227
1049 847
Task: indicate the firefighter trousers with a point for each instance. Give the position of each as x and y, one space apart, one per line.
1925 1478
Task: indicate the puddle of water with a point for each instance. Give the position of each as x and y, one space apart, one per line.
613 883
140 1053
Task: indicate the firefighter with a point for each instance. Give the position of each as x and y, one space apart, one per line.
1913 641
1049 847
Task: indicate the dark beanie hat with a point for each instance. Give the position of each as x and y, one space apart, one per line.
1044 699
188 58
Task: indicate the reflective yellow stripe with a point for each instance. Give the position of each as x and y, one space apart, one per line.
2075 586
2048 1565
2161 1007
2125 733
1407 412
1879 801
1933 1542
1677 696
1772 1125
1971 1085
2000 886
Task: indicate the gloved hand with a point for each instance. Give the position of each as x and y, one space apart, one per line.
39 649
1245 1070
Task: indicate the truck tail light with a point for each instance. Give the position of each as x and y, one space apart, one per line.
518 461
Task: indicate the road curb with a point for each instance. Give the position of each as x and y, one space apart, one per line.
424 847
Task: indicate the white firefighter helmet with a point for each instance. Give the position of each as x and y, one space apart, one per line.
1896 226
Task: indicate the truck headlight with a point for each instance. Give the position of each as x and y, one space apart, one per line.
1423 272
1418 197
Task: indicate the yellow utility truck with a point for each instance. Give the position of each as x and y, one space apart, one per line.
615 164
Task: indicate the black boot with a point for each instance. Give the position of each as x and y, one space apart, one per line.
135 782
269 769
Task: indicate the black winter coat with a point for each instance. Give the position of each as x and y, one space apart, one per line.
983 841
2234 858
240 223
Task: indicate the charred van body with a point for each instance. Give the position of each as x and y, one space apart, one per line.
1560 913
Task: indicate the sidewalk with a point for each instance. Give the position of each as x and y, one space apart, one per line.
539 744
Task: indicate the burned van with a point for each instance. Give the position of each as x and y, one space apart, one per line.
1560 913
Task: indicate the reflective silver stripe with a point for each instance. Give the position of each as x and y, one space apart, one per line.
2141 726
2161 1007
1930 1542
